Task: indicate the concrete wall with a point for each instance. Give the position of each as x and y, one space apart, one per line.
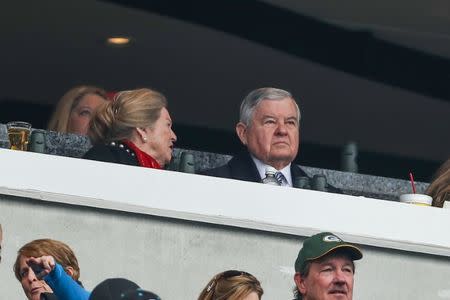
171 232
176 258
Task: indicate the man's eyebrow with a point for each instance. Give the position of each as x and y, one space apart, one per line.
325 263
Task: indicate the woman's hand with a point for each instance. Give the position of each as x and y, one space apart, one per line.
41 266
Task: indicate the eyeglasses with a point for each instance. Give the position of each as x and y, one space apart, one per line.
226 275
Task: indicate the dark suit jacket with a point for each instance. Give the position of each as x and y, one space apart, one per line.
242 167
114 152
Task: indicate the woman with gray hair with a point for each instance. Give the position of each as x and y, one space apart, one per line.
134 129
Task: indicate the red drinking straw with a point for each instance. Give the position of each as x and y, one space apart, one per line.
411 178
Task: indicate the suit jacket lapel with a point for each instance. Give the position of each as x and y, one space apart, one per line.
296 171
243 168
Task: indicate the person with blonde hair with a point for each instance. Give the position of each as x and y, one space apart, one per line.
75 109
47 266
232 285
439 189
134 129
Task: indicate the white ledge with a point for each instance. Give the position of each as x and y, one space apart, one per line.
226 202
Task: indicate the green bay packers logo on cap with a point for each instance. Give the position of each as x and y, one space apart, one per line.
331 238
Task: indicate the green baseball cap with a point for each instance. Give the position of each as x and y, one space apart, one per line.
322 244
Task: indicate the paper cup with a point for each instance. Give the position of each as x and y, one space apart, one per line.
417 199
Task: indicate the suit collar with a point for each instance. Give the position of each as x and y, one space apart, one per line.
242 167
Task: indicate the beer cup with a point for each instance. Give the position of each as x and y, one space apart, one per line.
18 133
417 199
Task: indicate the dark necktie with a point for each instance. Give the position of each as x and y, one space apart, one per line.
280 177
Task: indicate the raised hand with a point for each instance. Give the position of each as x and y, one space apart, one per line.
41 266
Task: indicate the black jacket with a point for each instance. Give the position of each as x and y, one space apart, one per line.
114 152
242 167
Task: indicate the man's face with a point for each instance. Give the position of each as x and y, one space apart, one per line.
273 133
32 286
330 279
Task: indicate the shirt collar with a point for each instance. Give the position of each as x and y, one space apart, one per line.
262 170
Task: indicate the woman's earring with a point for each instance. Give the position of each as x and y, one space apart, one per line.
144 138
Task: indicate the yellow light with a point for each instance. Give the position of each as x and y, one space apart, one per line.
118 41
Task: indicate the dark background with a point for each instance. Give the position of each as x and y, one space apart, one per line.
360 73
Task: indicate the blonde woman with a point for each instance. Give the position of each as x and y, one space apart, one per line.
134 129
439 188
232 285
76 108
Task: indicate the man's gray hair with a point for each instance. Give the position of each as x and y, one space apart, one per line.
255 97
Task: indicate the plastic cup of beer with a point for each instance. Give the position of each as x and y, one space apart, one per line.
417 199
18 133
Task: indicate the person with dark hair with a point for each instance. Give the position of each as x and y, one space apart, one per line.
133 129
324 268
439 189
48 266
232 285
121 289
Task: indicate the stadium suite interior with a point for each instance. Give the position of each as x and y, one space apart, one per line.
372 73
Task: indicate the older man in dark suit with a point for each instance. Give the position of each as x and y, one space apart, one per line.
269 128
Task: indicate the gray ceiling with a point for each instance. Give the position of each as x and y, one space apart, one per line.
423 25
49 46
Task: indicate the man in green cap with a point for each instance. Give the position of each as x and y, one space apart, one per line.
324 268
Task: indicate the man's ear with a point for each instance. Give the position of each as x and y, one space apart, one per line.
300 283
70 271
241 131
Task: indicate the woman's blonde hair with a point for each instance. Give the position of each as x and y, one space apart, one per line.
116 120
60 252
59 120
231 285
439 188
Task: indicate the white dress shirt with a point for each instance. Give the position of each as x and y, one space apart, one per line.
262 171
